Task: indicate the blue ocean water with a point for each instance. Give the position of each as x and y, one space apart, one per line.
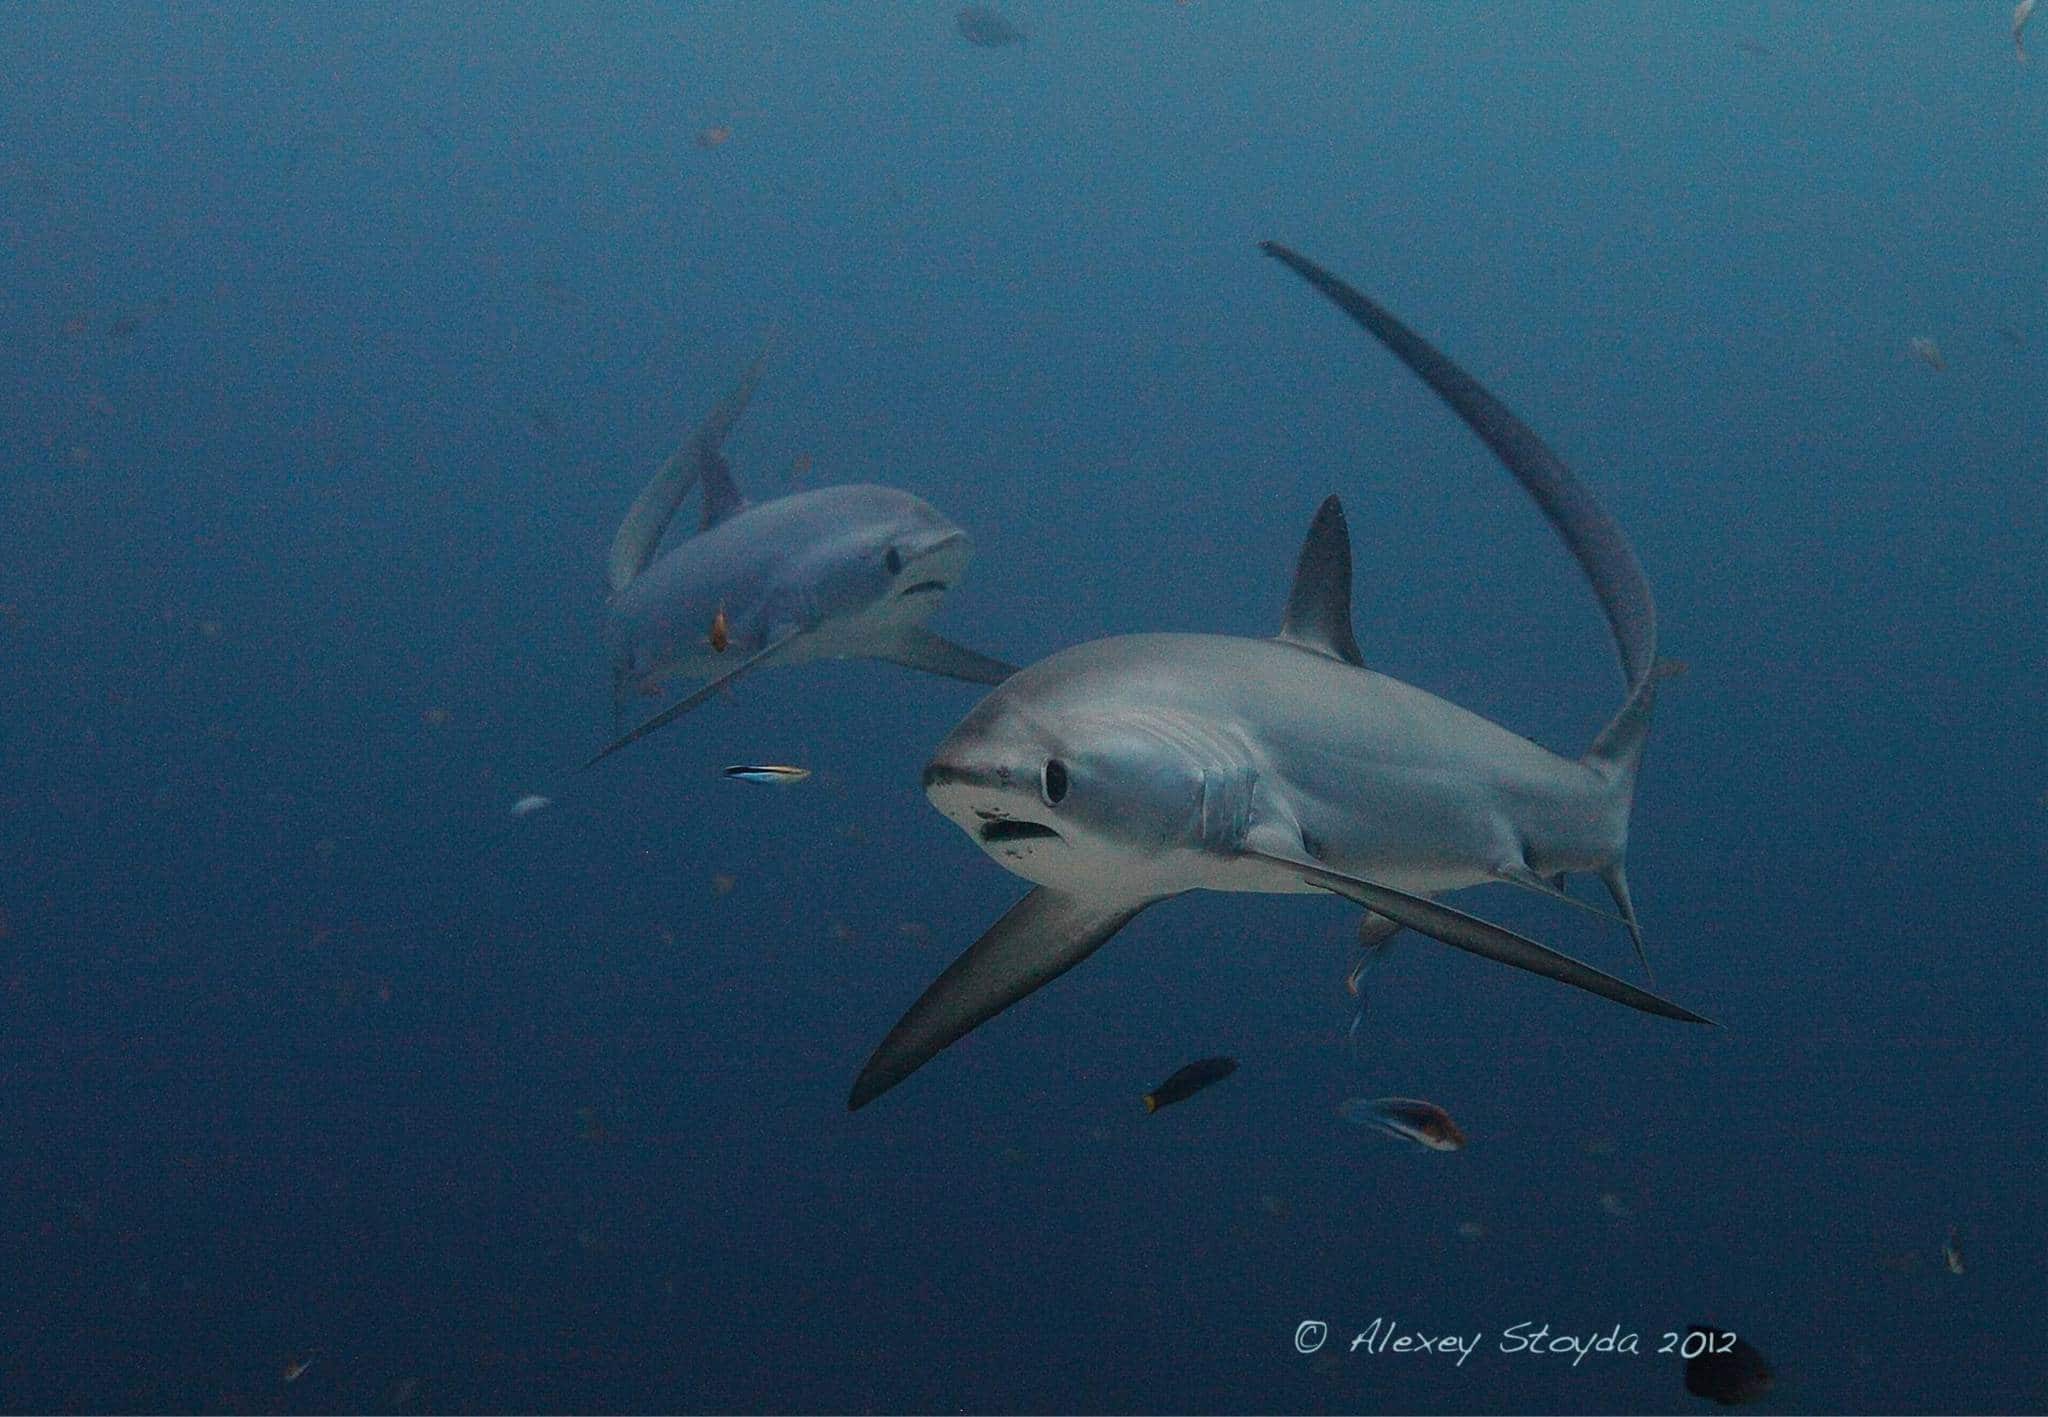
337 339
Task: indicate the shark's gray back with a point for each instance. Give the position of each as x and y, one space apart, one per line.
1287 696
771 552
1362 760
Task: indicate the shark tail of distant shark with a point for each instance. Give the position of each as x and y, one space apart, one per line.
1593 537
698 459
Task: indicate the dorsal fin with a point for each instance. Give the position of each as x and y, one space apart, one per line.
722 496
697 459
1319 607
1574 513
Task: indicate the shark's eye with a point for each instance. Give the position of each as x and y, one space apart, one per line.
1052 782
894 561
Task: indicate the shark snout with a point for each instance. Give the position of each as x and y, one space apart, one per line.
941 774
950 784
984 802
931 563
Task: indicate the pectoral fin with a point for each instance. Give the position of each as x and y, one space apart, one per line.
684 705
1040 938
1468 932
1554 888
915 647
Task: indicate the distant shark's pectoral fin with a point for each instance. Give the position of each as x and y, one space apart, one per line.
1468 932
1319 606
684 705
918 648
1040 938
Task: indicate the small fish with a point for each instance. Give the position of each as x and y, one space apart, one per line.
1750 46
1928 352
2012 334
1952 1250
775 773
721 632
2022 12
1730 1371
1188 1081
529 804
715 137
982 26
1421 1122
296 1368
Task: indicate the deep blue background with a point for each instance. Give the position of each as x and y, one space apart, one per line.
421 298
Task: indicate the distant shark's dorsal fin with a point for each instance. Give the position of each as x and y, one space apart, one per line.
1591 535
722 496
697 459
1319 607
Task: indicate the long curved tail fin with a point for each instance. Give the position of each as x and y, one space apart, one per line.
1592 536
698 459
1618 751
1594 539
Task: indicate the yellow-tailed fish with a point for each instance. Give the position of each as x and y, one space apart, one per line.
1188 1081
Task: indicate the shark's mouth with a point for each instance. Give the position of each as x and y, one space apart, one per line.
994 833
922 588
